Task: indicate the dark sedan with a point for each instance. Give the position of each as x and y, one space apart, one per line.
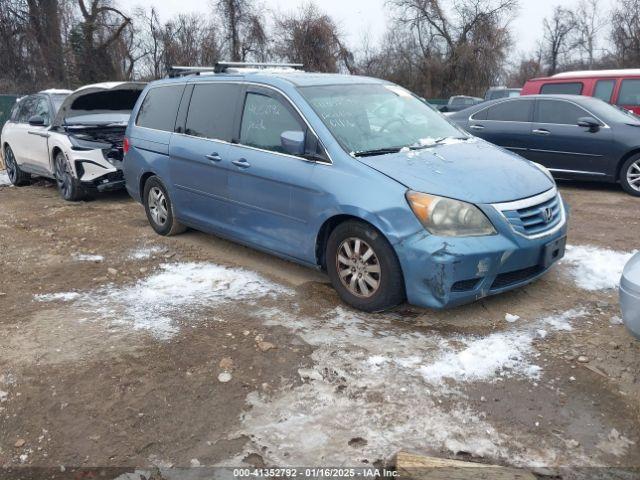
575 137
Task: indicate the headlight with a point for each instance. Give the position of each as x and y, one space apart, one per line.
544 170
447 217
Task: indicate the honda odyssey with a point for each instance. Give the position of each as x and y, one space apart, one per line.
349 174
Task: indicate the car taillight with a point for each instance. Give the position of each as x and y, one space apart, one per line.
125 145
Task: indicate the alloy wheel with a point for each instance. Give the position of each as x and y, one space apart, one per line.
633 175
10 162
358 267
63 176
158 206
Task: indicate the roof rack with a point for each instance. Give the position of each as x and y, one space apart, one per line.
222 67
180 71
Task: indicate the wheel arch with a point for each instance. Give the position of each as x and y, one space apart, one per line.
330 224
143 180
5 145
54 153
625 157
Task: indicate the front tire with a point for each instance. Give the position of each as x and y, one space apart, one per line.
159 208
16 176
68 185
364 268
630 176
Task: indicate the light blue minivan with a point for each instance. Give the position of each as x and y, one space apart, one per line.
353 175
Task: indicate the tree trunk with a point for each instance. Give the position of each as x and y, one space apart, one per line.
44 20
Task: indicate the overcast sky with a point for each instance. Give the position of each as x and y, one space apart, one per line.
358 18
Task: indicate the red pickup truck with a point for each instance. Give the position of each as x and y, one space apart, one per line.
618 87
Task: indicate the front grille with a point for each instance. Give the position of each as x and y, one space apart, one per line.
465 285
510 278
535 219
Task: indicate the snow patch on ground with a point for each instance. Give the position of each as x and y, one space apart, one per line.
595 268
57 297
83 257
484 358
144 253
4 178
391 385
176 291
615 444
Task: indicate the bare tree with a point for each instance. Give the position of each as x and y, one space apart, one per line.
150 33
189 40
92 39
312 38
246 35
32 43
557 37
463 46
527 68
626 34
589 24
44 22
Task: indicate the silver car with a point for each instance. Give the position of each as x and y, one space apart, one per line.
630 295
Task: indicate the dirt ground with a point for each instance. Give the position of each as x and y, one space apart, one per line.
111 355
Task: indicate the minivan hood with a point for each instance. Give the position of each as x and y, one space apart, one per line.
107 97
472 171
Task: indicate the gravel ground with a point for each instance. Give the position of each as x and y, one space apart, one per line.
120 348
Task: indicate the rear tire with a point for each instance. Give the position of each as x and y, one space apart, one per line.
363 267
159 208
68 185
630 176
16 176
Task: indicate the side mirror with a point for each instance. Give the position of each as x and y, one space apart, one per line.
292 141
36 121
590 123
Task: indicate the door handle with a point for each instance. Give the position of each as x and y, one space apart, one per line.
40 134
541 131
214 157
477 127
241 162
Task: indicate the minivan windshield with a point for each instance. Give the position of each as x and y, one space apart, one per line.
371 119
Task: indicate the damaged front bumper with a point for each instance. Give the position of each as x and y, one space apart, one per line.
443 272
95 172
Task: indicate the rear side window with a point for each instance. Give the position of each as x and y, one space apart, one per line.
629 93
604 89
160 107
559 112
511 111
263 121
211 111
574 88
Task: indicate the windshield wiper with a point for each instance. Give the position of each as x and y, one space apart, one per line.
437 141
377 151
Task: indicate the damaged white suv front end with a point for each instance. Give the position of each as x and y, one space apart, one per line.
86 138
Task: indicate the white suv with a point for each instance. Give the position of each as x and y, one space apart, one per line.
73 137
